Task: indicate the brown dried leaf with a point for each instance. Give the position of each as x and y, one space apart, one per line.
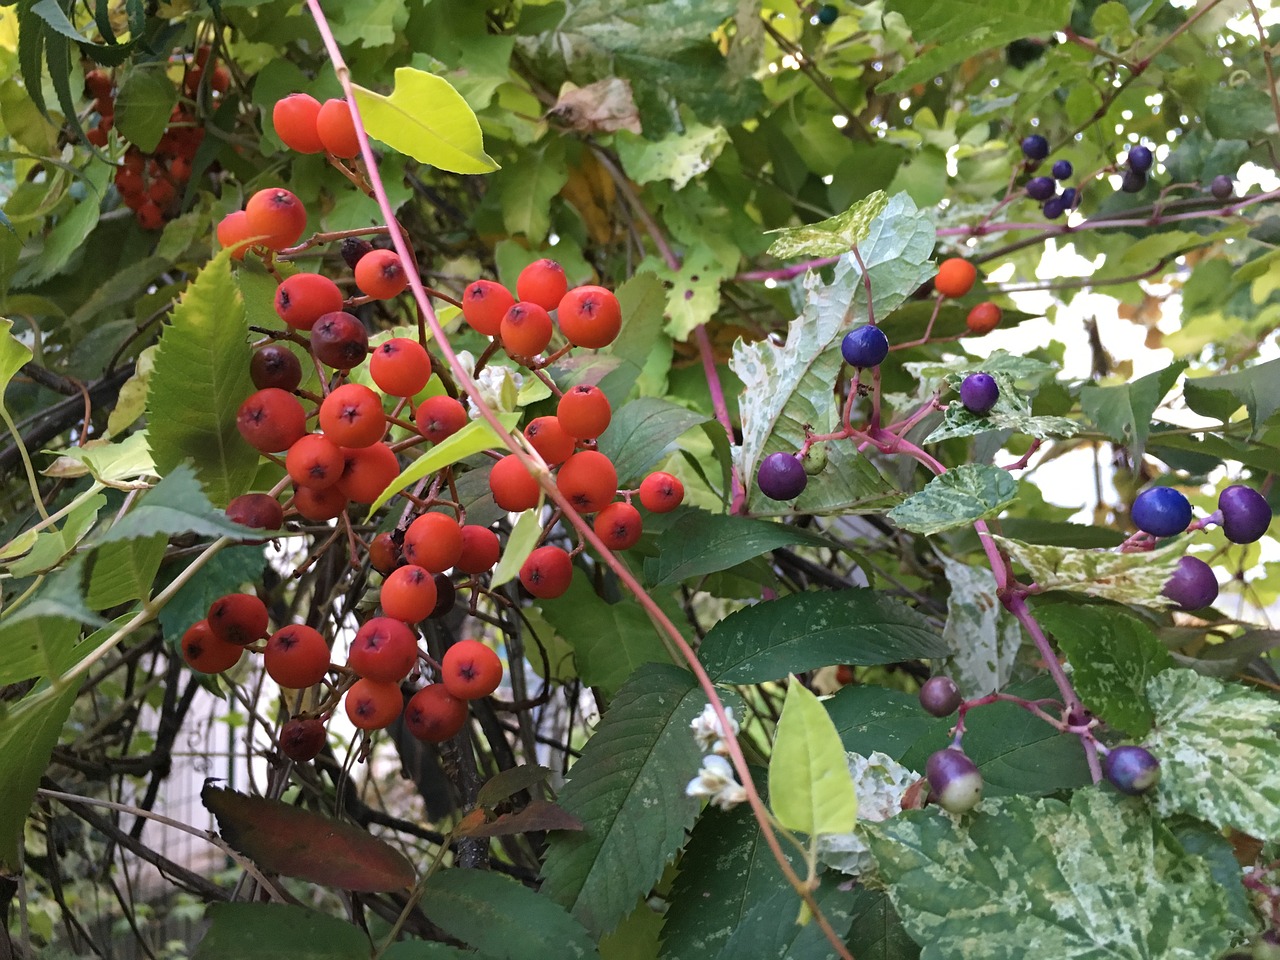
605 106
538 815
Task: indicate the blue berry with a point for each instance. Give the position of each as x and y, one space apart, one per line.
978 393
827 14
1133 181
781 476
1041 188
954 781
1132 770
939 696
1246 515
1140 159
1053 208
866 346
1035 147
1192 585
1222 187
1062 170
1069 198
1161 512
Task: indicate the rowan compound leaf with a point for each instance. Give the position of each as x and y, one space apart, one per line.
810 787
802 631
789 388
175 505
1124 577
288 840
427 119
502 918
201 377
277 931
833 236
969 492
628 789
1097 878
1218 752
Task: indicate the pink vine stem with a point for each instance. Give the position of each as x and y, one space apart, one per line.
538 469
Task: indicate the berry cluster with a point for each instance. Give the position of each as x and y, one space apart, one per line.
1054 204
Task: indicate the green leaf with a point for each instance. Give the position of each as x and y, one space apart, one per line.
36 647
969 492
789 389
227 572
833 236
124 571
426 119
1124 577
877 932
174 505
523 539
799 632
1218 752
628 790
13 354
471 439
67 239
143 104
502 918
1099 878
983 638
700 543
610 640
1113 657
1123 412
640 434
770 929
277 931
1257 389
810 787
678 157
509 782
642 300
525 191
424 950
201 377
27 738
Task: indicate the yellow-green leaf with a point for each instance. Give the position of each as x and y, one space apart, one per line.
524 537
425 118
810 788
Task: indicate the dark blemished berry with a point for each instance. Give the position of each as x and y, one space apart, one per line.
1192 585
1246 515
827 14
1140 159
1222 187
1133 181
781 476
1041 188
1161 512
940 696
1035 147
978 393
302 738
277 366
866 346
954 781
1062 170
1053 208
353 249
1130 769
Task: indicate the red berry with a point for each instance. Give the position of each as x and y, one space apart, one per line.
584 411
384 553
373 704
526 329
233 230
434 714
619 526
314 461
434 541
440 417
258 511
400 367
302 738
955 277
276 216
588 480
384 649
542 282
547 572
408 594
548 437
484 304
97 84
339 340
319 505
380 275
589 316
149 216
352 416
305 297
983 318
206 652
296 656
661 492
337 130
271 420
514 488
480 549
470 670
368 471
239 618
294 118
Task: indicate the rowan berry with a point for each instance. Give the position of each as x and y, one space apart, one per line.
588 480
584 411
470 670
547 572
548 437
296 656
480 550
381 275
434 541
372 704
271 420
619 526
400 367
542 282
294 119
239 618
408 593
434 714
337 130
204 651
440 417
276 216
384 649
526 329
661 492
352 416
304 298
367 472
589 316
484 304
514 488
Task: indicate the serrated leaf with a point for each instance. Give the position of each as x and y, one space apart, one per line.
628 790
790 388
833 236
200 379
1134 578
610 640
1099 878
427 119
143 104
277 931
678 157
642 300
982 637
175 505
47 549
810 787
124 571
641 432
701 543
969 492
1113 656
289 840
537 815
877 932
524 537
1218 752
525 191
802 631
1257 389
770 930
502 918
227 572
1123 412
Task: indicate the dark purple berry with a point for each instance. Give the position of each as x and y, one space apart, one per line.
1035 147
1053 208
781 476
1062 170
353 249
340 340
1070 199
1161 512
1246 515
954 781
1192 585
1133 181
827 14
275 365
978 393
1140 159
1132 770
1222 187
940 696
1041 188
866 346
446 596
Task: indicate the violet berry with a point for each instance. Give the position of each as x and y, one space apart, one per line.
781 476
1035 147
1222 187
1062 170
1161 512
1140 159
954 781
978 393
1193 584
939 696
867 346
1246 515
1131 769
1041 188
1133 181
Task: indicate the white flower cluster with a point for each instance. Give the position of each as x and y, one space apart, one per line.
498 385
879 781
715 777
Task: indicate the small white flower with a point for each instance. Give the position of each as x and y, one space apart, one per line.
706 730
500 387
715 779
